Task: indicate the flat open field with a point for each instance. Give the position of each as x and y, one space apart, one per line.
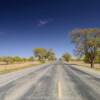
13 67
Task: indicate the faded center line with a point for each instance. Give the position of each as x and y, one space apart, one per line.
59 90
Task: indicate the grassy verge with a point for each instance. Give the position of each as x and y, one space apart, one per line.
82 64
97 69
8 70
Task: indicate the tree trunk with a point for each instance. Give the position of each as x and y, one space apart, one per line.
92 64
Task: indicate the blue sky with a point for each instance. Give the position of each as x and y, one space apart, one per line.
27 24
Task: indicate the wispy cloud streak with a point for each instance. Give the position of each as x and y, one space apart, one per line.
43 22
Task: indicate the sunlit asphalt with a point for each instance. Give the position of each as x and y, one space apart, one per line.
57 81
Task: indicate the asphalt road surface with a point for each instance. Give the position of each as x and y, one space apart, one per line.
55 81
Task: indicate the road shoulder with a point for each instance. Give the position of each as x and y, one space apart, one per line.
86 69
9 77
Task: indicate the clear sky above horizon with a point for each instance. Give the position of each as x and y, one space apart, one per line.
27 24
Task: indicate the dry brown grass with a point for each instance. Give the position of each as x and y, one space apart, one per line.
13 67
81 63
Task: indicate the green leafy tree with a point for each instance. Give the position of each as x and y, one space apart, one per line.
40 53
87 43
17 59
50 55
66 57
43 54
31 59
7 60
97 60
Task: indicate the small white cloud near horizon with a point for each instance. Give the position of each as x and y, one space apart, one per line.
43 22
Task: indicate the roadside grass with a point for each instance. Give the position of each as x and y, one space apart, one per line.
97 69
82 64
8 69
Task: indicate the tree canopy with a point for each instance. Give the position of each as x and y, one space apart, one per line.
44 54
87 43
66 57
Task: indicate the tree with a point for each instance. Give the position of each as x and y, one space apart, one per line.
43 54
40 53
66 57
7 60
17 59
50 55
30 58
97 60
87 43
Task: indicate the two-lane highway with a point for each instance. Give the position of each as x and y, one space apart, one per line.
56 81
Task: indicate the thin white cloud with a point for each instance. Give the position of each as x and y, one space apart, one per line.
43 22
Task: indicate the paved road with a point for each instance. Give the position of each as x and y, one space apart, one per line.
53 82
